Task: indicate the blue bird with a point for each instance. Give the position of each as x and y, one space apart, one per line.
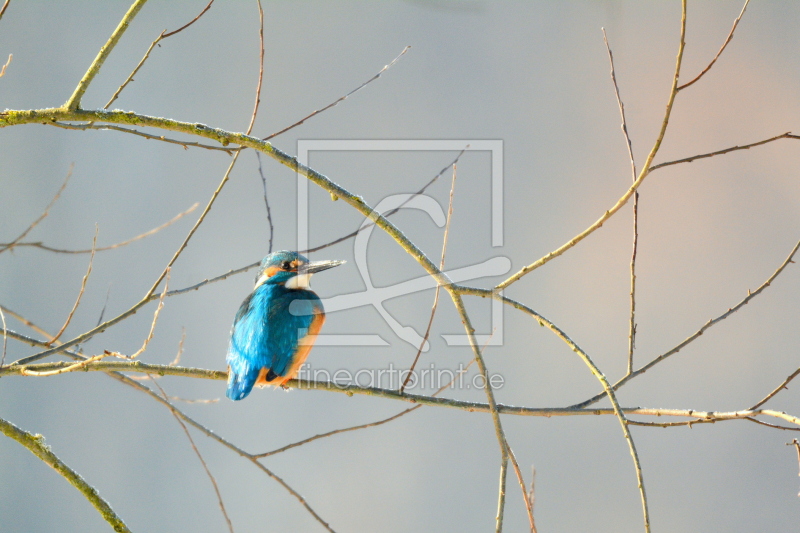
276 325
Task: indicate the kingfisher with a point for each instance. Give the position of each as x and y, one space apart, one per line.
276 325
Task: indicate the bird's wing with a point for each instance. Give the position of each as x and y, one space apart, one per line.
247 352
295 314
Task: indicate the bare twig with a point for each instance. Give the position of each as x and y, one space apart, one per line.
728 40
4 67
164 34
74 101
5 337
70 368
3 9
135 70
391 211
436 293
180 348
777 389
368 425
160 305
266 202
186 144
36 445
501 499
335 103
625 197
525 498
260 66
46 212
203 12
695 335
83 288
796 445
787 135
112 246
199 456
624 126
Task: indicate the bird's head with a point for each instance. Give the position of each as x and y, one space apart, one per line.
290 269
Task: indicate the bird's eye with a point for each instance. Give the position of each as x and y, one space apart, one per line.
286 265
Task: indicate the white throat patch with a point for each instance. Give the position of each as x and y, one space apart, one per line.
300 281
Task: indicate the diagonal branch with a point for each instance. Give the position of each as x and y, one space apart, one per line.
36 445
74 101
787 135
43 215
341 99
728 40
642 175
695 335
110 246
83 288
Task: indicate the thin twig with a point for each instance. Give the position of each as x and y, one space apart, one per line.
5 337
777 389
177 359
335 103
391 211
36 445
438 287
266 203
3 10
199 456
10 57
164 34
260 66
74 101
112 246
368 425
83 287
787 135
46 212
203 12
160 305
186 144
796 445
625 197
775 426
135 70
695 335
624 126
525 498
501 498
71 368
728 40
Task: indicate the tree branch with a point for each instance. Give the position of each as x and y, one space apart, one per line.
36 445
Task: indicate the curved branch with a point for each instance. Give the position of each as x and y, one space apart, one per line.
625 197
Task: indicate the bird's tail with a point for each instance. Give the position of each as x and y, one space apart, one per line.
240 383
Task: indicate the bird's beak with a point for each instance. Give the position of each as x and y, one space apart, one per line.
318 266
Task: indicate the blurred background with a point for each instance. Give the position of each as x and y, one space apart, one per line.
534 75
